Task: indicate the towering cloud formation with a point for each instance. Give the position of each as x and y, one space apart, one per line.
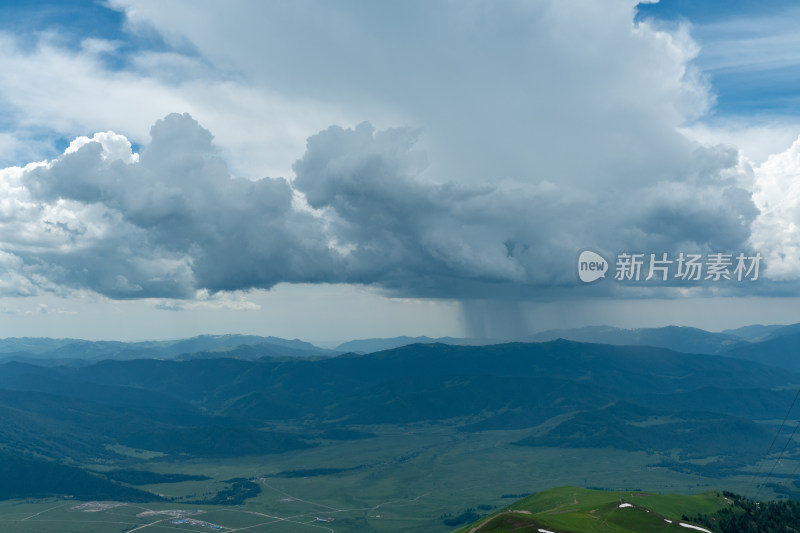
172 221
546 128
164 224
777 193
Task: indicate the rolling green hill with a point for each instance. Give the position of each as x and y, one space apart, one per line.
27 477
577 510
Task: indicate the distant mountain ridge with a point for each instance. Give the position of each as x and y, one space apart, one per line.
231 345
773 344
679 338
781 348
378 345
753 332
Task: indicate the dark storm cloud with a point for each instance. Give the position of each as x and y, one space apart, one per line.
412 236
172 221
510 239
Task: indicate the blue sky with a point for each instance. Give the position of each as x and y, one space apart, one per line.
748 50
339 170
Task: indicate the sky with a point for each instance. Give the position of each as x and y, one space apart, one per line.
339 170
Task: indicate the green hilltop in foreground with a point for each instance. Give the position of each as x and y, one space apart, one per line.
577 510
